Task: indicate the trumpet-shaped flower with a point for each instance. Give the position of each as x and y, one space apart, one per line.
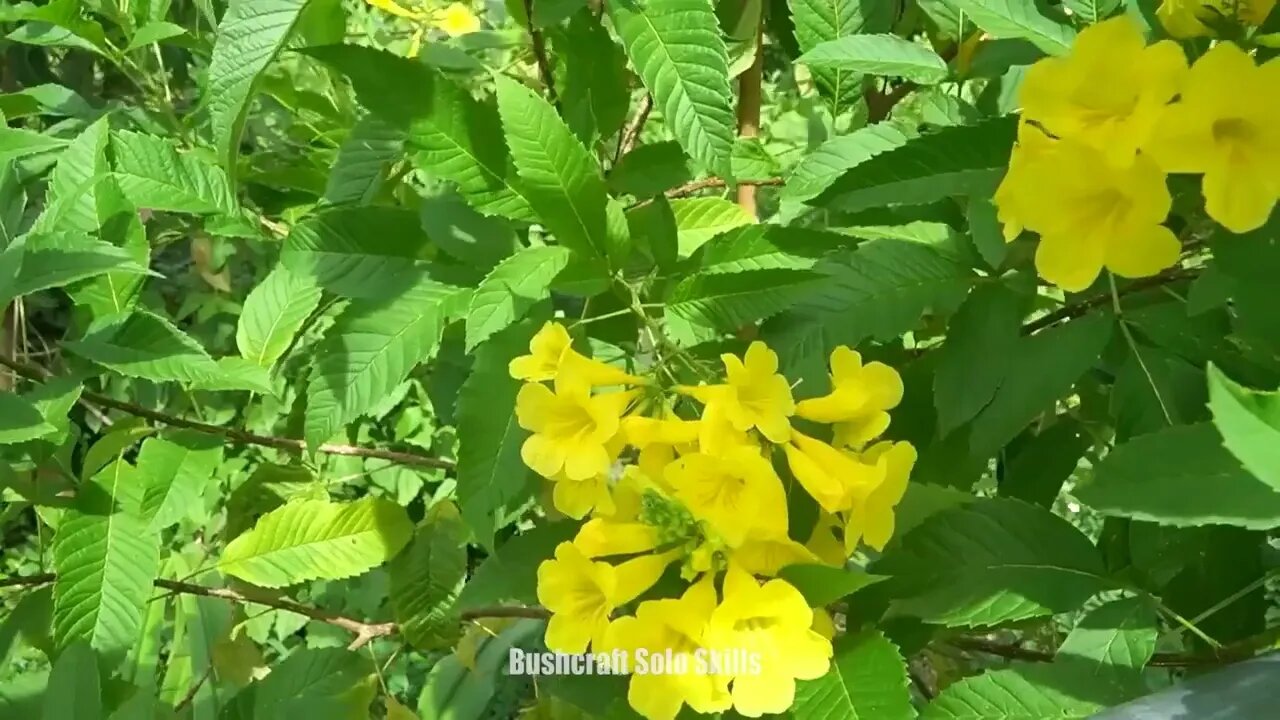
1091 214
872 518
1108 91
600 537
552 357
738 494
1197 18
457 19
1032 142
582 593
823 543
859 399
1227 126
771 622
830 476
768 556
577 498
754 395
675 628
658 440
573 431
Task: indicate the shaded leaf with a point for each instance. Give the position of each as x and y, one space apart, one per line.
273 313
427 578
887 55
514 286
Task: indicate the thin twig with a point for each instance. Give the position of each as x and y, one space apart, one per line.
195 690
690 188
1075 310
1014 651
1133 348
627 140
232 434
540 56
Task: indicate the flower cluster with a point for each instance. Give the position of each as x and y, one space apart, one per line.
1102 126
454 20
683 478
1201 18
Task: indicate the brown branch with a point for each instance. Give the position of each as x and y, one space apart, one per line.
1014 651
540 56
627 140
195 690
232 434
880 104
750 98
27 581
1073 311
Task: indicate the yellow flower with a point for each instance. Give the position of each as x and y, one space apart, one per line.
599 537
872 518
830 476
1014 187
738 494
767 557
675 627
457 19
576 498
824 544
1192 18
1091 214
754 395
859 398
572 430
581 594
658 440
774 624
551 356
1108 92
1227 126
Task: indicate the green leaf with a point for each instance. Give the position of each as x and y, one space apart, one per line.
312 683
492 479
887 55
272 315
819 21
455 692
357 252
147 346
235 373
1044 369
427 578
364 158
370 350
317 540
40 262
700 219
822 584
74 686
991 561
650 170
173 472
1249 422
71 203
1024 692
1163 476
250 35
477 240
1116 636
592 81
1018 19
116 292
730 301
154 32
510 573
677 49
106 558
1037 468
458 138
561 179
28 623
21 421
511 289
830 160
867 681
980 347
952 161
152 174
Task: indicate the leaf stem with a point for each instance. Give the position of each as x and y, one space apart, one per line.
1133 348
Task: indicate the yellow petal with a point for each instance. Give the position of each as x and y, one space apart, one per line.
390 6
1144 252
543 455
1070 262
1240 195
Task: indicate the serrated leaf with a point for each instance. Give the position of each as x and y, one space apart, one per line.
950 161
561 179
819 21
677 49
511 289
357 252
28 623
1018 19
887 55
731 301
71 200
824 164
74 686
867 681
458 138
1163 477
17 143
823 584
235 373
592 85
21 421
152 174
510 573
1114 637
427 578
991 561
650 170
313 683
173 472
700 219
148 346
370 350
765 247
56 259
492 479
106 558
460 230
980 347
317 540
1249 422
1037 468
154 32
1044 369
1024 692
250 35
363 160
273 313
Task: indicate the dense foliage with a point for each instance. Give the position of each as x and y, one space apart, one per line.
914 358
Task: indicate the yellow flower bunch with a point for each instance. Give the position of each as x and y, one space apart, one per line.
1198 18
1103 125
685 476
454 20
